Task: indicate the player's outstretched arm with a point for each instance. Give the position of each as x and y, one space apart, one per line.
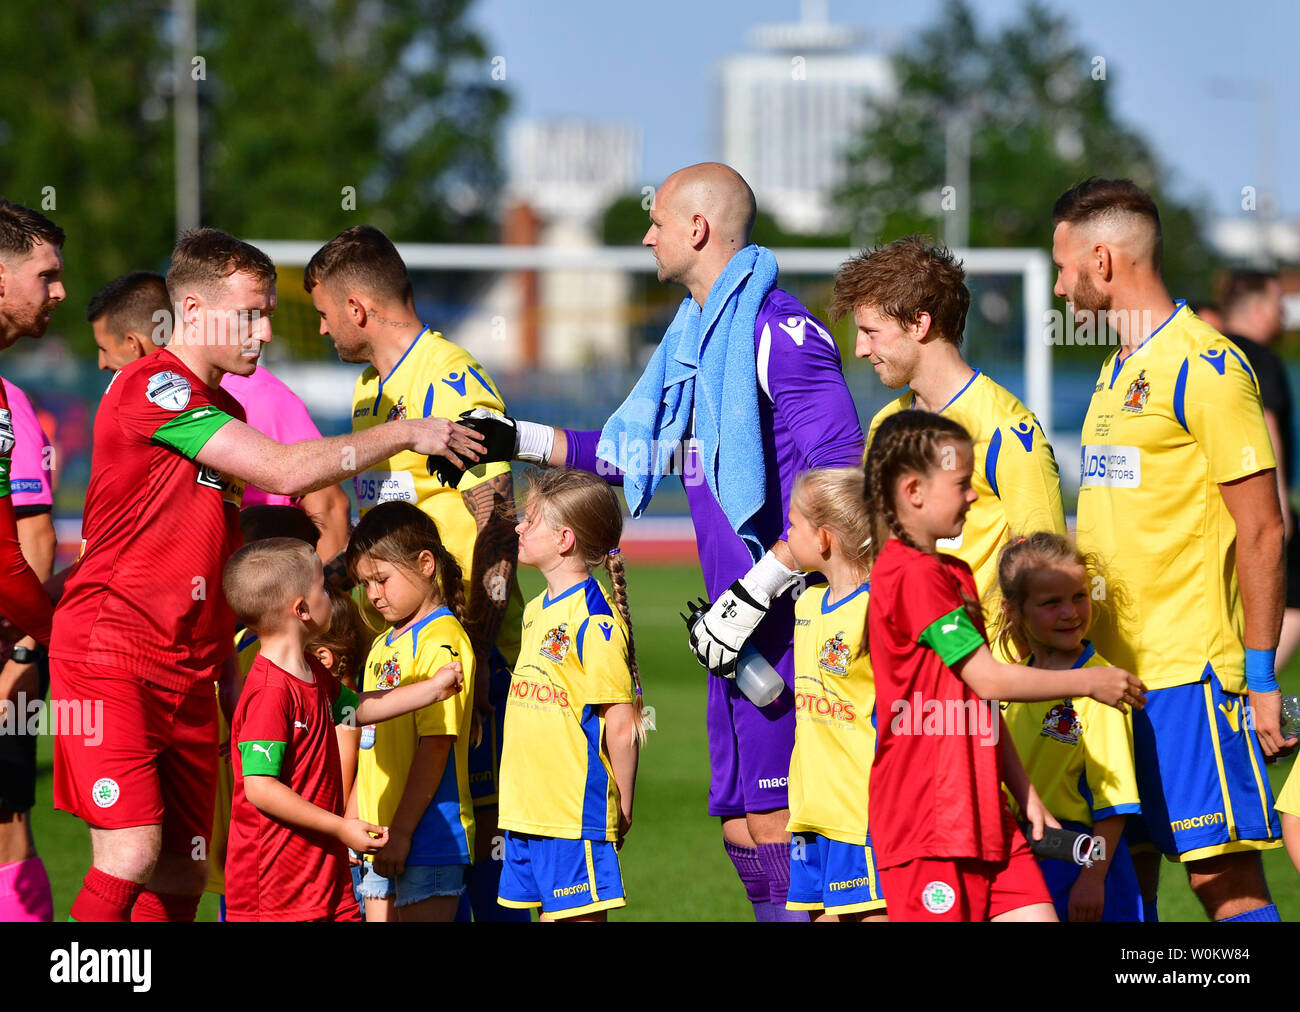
299 468
378 705
989 678
1253 503
276 799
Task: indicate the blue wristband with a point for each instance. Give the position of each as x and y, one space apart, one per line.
1259 670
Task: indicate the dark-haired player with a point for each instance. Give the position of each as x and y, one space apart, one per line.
1177 491
361 289
142 627
31 268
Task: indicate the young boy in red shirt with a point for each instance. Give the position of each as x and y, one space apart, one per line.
287 857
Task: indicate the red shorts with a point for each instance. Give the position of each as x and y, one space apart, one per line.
147 757
944 889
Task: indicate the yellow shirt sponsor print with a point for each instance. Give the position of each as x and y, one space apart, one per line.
556 777
834 738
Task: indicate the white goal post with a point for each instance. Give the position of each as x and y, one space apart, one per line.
1032 265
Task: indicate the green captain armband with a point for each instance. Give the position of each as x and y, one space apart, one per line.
261 758
190 430
953 637
345 707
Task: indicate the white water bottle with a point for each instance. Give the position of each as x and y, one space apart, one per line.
756 678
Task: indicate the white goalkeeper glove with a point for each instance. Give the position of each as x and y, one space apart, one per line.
504 437
719 633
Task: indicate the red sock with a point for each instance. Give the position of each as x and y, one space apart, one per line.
104 898
152 906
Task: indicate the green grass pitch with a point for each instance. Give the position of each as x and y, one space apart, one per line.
673 863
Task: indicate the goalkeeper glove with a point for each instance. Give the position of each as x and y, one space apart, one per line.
718 633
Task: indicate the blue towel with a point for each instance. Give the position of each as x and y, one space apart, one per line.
706 361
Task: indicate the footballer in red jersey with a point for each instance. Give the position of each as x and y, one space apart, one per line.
143 625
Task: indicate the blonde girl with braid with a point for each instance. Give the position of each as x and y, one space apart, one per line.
574 719
945 842
413 772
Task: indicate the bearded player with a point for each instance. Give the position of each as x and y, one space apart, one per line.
1179 501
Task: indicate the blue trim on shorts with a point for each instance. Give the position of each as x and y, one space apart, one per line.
557 875
1184 805
830 873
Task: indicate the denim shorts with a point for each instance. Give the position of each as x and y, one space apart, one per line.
418 882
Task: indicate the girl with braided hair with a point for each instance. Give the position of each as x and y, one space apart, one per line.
574 719
944 839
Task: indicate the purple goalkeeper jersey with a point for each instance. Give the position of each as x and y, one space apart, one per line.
807 420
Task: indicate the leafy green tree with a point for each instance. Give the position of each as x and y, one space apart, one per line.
1038 106
300 101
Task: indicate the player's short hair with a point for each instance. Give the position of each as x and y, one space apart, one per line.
205 257
130 303
904 279
262 579
1096 199
257 523
361 257
1244 285
21 229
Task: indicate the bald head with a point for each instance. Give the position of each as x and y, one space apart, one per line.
719 194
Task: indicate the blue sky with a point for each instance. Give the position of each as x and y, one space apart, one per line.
1169 63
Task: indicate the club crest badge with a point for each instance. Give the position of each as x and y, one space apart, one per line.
1062 723
834 656
1138 391
398 411
555 644
390 674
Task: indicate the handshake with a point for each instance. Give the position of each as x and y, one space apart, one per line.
504 437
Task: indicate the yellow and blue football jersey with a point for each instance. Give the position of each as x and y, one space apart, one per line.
556 777
1015 476
1166 426
433 379
1078 753
835 733
445 834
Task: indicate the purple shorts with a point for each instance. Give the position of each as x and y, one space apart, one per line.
749 748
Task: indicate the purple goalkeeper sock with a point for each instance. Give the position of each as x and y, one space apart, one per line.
775 859
752 878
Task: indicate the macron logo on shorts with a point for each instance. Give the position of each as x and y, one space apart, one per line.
772 783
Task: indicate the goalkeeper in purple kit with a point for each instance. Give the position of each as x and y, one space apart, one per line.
745 392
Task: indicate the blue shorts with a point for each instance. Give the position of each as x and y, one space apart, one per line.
563 877
827 874
1200 774
418 882
485 757
1123 896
